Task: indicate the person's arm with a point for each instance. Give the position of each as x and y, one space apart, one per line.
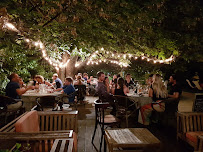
21 91
150 92
59 89
175 95
125 90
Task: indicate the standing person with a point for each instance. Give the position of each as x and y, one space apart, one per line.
128 80
56 81
158 92
14 91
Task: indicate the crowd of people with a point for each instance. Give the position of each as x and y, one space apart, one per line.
158 91
105 89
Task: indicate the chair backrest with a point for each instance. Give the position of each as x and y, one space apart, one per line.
81 91
47 101
123 102
197 85
28 123
100 108
191 121
189 83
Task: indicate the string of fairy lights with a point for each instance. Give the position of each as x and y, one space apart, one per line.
120 58
114 58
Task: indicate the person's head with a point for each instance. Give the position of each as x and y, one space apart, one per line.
114 76
159 87
39 78
128 76
100 76
55 76
14 77
85 75
121 82
68 81
21 81
79 77
172 79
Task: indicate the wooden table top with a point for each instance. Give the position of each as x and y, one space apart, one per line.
130 137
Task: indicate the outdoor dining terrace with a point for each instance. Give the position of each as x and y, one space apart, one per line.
165 134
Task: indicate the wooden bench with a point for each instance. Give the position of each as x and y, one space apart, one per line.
51 126
190 127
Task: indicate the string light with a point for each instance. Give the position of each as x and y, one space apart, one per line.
55 63
58 64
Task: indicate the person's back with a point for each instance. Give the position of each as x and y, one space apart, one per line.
11 90
69 89
59 83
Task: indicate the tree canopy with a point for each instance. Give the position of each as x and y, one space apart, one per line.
157 28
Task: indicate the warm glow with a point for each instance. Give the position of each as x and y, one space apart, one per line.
11 26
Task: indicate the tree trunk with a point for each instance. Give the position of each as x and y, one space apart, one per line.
70 70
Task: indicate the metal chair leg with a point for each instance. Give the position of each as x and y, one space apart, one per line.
95 128
101 141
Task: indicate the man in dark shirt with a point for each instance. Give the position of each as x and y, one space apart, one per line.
101 88
56 81
14 91
174 90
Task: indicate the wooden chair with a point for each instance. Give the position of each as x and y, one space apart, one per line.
124 107
102 119
47 102
52 123
80 93
189 127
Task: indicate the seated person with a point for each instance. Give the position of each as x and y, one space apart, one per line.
40 80
112 82
79 81
14 91
68 88
85 76
56 81
21 83
121 88
128 80
174 90
101 89
158 92
106 83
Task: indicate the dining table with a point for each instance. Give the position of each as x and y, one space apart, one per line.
29 98
140 99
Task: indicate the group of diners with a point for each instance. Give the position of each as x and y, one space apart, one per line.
158 91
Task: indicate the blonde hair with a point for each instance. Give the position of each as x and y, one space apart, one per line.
40 77
158 86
